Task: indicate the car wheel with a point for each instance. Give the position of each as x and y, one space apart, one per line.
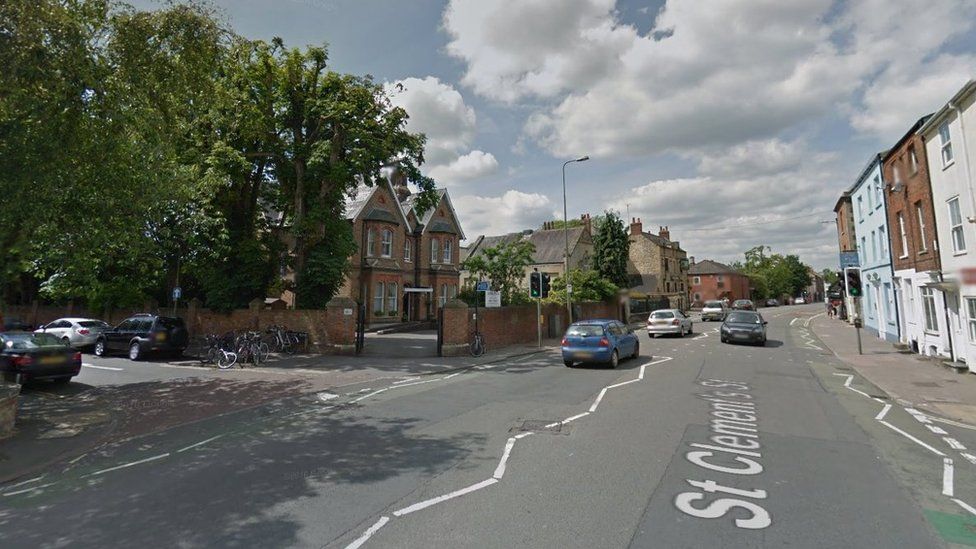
100 347
614 359
636 350
135 351
568 363
66 341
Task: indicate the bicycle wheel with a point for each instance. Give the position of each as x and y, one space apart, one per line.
477 346
263 352
226 359
210 356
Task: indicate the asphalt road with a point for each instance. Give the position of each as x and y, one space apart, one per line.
695 444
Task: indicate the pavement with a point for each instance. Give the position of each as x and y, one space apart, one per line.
694 444
919 381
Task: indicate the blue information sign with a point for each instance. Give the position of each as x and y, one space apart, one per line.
483 286
849 259
177 293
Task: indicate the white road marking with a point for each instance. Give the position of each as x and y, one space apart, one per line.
936 429
574 418
35 479
124 465
883 412
77 458
326 396
500 470
87 365
913 439
947 478
847 384
953 423
434 501
368 533
953 443
964 505
31 489
598 399
794 320
201 443
970 458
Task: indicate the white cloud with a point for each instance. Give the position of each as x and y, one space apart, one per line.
438 110
708 74
510 212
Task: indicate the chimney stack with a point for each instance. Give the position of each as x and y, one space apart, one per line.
691 260
636 227
664 233
399 180
585 218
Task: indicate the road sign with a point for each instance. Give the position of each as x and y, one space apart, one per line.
177 293
482 286
493 299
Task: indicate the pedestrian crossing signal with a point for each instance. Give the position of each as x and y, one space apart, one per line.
535 284
853 277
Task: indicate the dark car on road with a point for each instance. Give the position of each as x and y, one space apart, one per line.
743 305
143 334
744 327
25 356
600 341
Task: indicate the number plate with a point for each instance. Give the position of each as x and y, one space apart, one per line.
52 360
161 337
584 355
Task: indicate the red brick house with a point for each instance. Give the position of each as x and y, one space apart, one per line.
710 280
406 265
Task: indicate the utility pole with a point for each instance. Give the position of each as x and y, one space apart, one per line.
569 287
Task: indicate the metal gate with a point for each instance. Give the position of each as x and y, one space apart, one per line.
360 329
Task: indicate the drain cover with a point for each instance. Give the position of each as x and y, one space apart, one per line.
540 426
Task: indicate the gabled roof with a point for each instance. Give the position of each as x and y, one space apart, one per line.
708 266
482 243
550 244
410 203
361 196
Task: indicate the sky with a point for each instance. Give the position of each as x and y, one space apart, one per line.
736 123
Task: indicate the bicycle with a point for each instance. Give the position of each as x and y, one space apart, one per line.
282 340
250 348
216 351
477 346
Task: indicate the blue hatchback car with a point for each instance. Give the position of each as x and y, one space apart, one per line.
601 341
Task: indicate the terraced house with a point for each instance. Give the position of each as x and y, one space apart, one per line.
406 265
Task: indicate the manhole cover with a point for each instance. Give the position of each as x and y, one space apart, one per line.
551 426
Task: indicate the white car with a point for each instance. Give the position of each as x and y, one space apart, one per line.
668 321
800 301
75 332
714 310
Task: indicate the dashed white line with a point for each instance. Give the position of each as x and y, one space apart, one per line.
883 412
936 429
124 465
368 533
953 443
574 418
87 365
947 478
913 439
434 501
201 443
31 489
35 479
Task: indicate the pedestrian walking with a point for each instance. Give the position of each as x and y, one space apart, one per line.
831 311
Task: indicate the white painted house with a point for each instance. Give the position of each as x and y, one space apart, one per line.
950 143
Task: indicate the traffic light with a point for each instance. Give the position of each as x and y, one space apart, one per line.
535 284
853 282
545 285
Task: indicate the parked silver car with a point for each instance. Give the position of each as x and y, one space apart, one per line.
76 332
668 321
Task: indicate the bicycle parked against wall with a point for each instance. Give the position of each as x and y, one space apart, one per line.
478 346
250 348
286 341
217 351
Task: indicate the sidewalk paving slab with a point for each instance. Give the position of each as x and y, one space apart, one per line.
923 381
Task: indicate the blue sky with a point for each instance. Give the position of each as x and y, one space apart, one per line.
734 122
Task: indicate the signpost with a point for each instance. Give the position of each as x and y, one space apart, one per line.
177 294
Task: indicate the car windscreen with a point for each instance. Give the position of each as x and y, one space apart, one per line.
585 330
714 304
93 324
26 342
743 318
662 314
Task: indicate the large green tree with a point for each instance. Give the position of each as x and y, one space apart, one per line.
504 266
587 284
611 249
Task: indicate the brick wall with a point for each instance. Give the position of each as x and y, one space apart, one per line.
733 286
916 192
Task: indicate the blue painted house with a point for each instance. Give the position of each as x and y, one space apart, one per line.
879 310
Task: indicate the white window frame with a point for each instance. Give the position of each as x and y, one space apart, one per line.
370 241
903 235
406 250
945 143
971 317
435 250
860 209
909 291
889 303
379 297
874 246
392 298
956 231
448 251
883 242
696 280
921 227
864 247
386 243
913 160
931 313
878 197
442 299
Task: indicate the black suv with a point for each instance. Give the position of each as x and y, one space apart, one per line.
142 334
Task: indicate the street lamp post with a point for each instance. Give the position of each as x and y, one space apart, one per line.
569 297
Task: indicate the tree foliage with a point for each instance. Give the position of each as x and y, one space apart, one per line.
504 267
611 249
587 284
142 149
773 275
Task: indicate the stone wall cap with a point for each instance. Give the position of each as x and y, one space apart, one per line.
344 302
455 304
